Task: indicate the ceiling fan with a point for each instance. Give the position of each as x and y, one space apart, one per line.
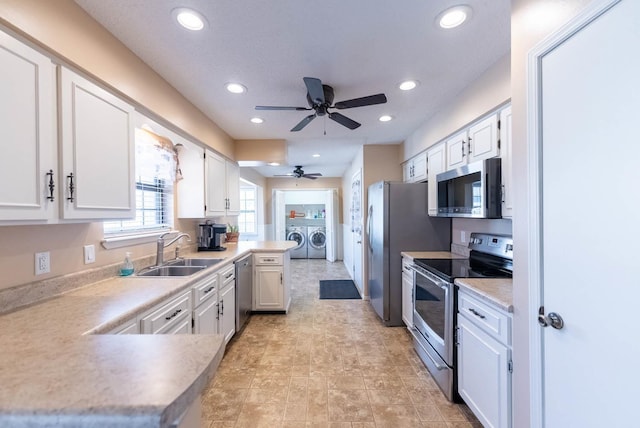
298 173
320 99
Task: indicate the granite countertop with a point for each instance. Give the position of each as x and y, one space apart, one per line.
495 291
431 255
55 369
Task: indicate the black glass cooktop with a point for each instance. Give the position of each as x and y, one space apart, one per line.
474 267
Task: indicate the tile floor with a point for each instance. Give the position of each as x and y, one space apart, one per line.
328 363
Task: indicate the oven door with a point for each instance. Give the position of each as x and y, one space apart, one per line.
433 312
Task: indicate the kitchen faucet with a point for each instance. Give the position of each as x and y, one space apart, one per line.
161 244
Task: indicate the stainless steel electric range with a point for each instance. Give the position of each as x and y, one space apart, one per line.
435 301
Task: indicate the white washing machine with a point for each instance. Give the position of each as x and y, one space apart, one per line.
299 235
317 242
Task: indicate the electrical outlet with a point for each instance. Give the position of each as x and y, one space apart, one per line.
43 263
463 236
89 254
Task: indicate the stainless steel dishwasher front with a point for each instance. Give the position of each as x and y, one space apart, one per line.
244 291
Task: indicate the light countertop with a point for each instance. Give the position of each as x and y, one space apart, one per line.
495 291
55 369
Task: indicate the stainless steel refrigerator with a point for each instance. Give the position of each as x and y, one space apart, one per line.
398 221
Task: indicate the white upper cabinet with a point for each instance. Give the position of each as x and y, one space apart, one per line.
507 168
457 150
415 169
480 141
223 186
27 134
436 159
483 139
97 151
190 189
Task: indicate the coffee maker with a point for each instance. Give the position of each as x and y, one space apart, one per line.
209 236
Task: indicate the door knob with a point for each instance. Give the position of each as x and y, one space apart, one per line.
553 319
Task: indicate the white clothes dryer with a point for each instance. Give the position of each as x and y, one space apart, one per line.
299 235
317 242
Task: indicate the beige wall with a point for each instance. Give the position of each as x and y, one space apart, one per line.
264 151
63 30
484 94
531 22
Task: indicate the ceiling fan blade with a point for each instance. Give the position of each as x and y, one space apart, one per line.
304 122
361 102
281 108
315 90
317 174
309 176
344 120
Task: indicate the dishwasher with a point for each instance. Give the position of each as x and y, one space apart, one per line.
244 291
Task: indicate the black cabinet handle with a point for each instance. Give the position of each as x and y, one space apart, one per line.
72 187
173 314
476 313
209 289
51 185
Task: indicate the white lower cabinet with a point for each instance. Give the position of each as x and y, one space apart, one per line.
130 327
484 360
407 294
173 317
227 303
205 300
271 283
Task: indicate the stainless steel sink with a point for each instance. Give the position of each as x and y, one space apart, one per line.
194 262
170 270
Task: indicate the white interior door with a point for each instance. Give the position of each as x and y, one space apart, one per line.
278 215
331 224
589 208
356 228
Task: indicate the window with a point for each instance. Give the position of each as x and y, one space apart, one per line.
248 218
155 166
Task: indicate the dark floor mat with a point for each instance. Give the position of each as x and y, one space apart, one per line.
338 289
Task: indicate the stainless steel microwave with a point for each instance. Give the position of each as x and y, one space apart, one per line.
472 190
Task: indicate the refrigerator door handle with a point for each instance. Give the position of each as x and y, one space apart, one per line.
369 228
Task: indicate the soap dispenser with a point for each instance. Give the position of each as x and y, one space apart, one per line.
127 265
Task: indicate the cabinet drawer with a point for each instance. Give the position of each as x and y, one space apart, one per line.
205 289
227 275
167 316
494 322
268 259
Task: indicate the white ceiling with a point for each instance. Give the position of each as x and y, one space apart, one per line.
359 47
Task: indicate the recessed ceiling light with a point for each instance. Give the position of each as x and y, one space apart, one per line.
257 120
236 88
189 18
316 155
274 163
454 16
385 118
408 85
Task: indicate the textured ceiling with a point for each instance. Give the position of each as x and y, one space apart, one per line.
360 47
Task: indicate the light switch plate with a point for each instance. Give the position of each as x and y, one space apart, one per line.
89 254
43 263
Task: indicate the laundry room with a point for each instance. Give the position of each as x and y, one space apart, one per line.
308 217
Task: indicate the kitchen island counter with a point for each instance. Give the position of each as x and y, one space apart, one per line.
57 370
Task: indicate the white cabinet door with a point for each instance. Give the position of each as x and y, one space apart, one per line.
407 296
484 380
228 311
97 151
182 326
27 133
205 317
130 327
505 154
268 288
483 139
420 167
233 188
191 189
406 171
436 160
216 185
456 150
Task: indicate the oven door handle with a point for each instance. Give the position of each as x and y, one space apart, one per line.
431 277
435 363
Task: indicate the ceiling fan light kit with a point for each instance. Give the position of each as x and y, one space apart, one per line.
320 100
